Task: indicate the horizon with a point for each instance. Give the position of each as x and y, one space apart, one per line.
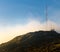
18 17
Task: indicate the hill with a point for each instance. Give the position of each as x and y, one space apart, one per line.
39 41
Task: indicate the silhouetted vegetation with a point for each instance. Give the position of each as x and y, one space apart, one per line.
39 41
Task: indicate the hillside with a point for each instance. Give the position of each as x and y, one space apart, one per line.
39 41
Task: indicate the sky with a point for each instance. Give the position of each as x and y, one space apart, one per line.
18 17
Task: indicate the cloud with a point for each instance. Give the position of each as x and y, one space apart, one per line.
9 32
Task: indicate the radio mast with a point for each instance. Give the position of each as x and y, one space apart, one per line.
51 25
46 16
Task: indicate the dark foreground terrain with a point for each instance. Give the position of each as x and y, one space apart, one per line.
39 41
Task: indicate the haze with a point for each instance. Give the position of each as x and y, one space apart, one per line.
18 17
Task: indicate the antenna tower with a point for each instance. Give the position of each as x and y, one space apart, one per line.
46 16
47 19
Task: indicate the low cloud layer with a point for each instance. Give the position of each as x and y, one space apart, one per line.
9 32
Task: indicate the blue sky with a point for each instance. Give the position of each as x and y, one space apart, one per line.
14 12
18 17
